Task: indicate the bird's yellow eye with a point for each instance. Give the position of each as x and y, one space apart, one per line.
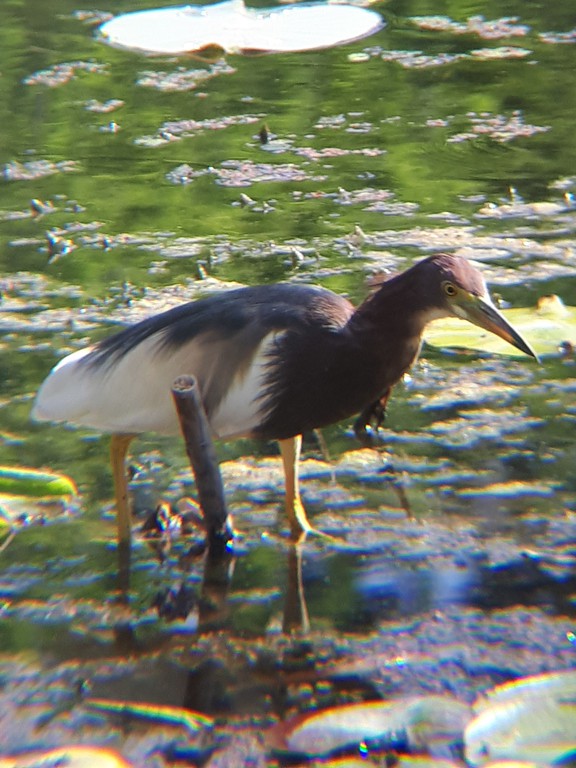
449 288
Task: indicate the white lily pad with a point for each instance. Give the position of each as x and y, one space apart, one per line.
533 718
559 686
424 721
545 327
522 729
323 732
237 29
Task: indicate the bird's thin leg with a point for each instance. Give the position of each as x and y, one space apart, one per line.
290 450
295 610
318 434
118 450
374 415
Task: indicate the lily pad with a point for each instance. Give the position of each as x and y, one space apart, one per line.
18 481
237 29
546 327
422 721
73 757
533 718
558 686
522 729
156 713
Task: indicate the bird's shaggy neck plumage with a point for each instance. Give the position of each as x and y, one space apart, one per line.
406 302
334 370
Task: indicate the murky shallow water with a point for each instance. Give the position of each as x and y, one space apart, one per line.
139 204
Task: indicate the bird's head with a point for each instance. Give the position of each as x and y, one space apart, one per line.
460 291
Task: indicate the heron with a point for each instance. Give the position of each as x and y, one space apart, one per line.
272 362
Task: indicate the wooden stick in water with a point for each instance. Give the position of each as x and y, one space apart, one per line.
202 456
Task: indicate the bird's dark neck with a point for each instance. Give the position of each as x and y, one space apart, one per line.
331 373
397 304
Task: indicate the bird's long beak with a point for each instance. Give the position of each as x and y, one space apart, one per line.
485 315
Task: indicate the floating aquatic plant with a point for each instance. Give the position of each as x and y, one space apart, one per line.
72 757
548 327
531 719
422 722
21 481
237 29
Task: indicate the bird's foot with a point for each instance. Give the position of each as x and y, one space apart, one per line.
298 521
300 526
298 536
369 422
364 434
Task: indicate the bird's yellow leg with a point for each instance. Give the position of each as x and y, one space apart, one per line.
297 520
118 450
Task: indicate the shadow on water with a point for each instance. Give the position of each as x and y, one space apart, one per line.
150 597
211 596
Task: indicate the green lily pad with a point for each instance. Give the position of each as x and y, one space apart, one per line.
19 481
545 327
